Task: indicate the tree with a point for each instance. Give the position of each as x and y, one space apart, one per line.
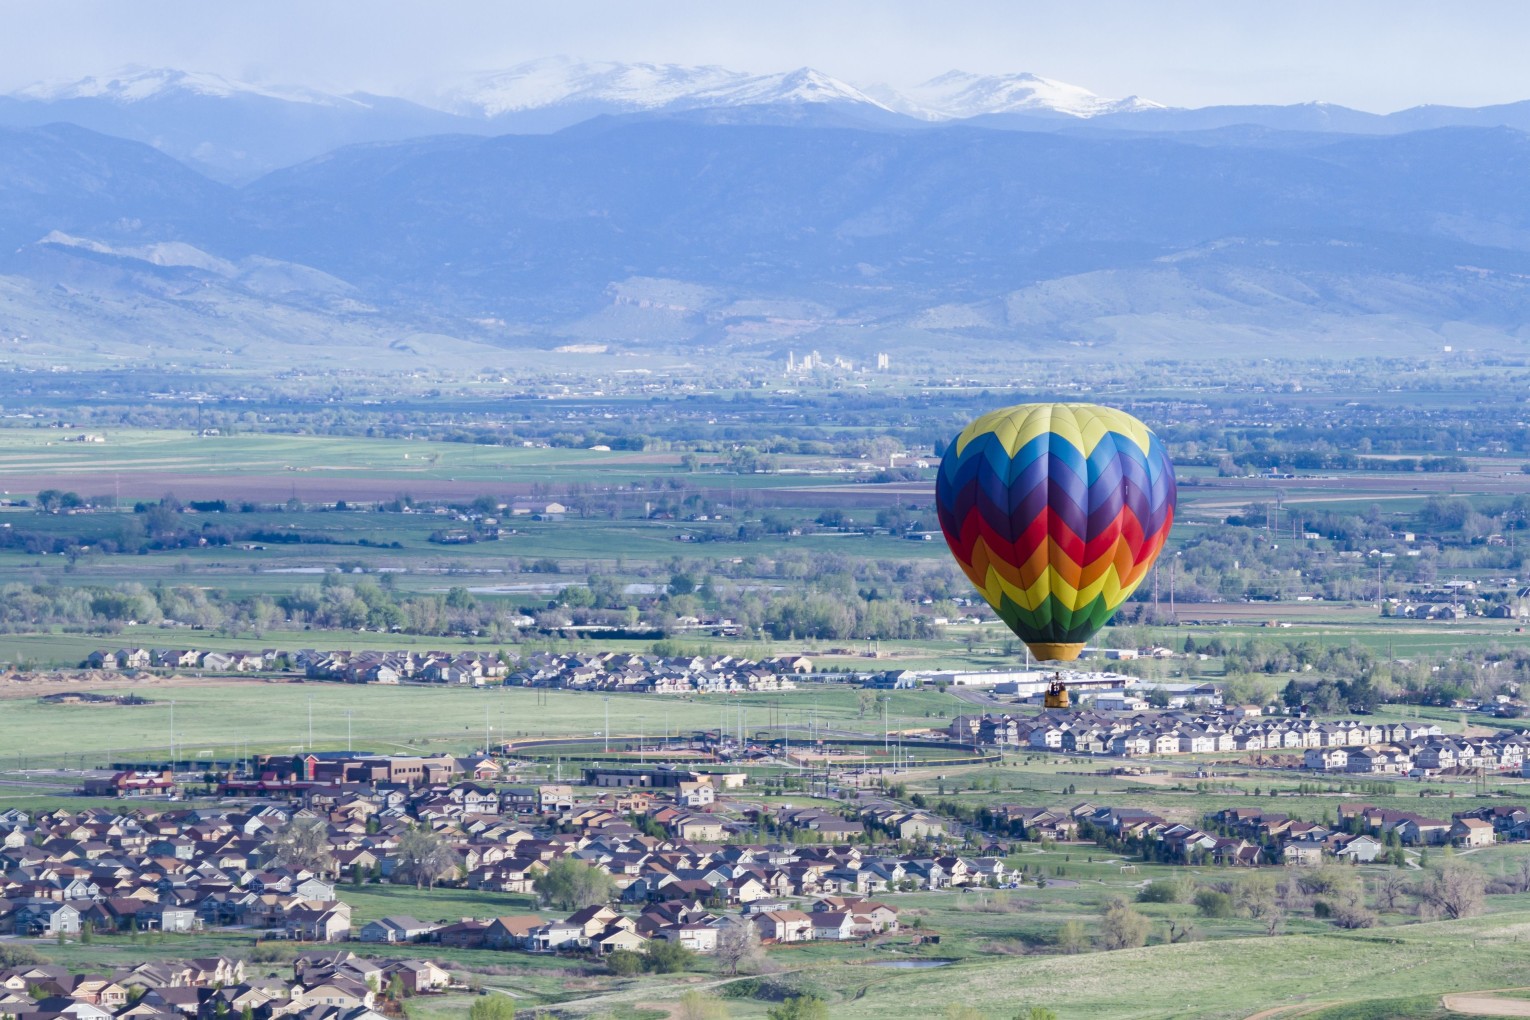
1121 927
494 1006
1037 1013
424 858
1071 937
569 884
799 1007
664 957
1256 895
1454 890
698 1005
1391 889
304 844
13 955
737 946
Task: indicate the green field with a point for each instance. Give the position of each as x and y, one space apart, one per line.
216 719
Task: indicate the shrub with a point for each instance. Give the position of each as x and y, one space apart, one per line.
1213 904
492 1007
802 1007
747 988
1162 890
662 957
624 963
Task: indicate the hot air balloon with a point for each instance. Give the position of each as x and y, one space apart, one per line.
1056 512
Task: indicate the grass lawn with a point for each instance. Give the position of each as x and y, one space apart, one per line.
370 902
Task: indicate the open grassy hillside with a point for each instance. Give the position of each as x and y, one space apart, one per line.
1367 971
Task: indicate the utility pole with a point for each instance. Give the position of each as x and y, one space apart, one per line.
348 714
310 724
1173 577
607 700
172 738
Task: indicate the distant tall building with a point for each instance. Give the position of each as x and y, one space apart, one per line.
883 362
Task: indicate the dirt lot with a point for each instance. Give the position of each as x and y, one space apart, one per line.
1487 1004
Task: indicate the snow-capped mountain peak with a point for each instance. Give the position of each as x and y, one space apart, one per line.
137 84
960 94
563 82
804 85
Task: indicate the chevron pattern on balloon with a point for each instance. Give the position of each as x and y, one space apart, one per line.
1056 512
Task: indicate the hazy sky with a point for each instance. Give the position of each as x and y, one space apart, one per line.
1368 54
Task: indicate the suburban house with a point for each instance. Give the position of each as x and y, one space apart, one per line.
395 928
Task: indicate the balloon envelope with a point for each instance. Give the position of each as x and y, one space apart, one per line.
1056 513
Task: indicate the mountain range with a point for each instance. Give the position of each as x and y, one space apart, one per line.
690 209
235 131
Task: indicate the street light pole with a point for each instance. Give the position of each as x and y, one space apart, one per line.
608 724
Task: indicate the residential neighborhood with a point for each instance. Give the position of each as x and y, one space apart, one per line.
1360 746
1254 837
323 985
617 672
681 866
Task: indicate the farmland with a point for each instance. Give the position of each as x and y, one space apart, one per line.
749 523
